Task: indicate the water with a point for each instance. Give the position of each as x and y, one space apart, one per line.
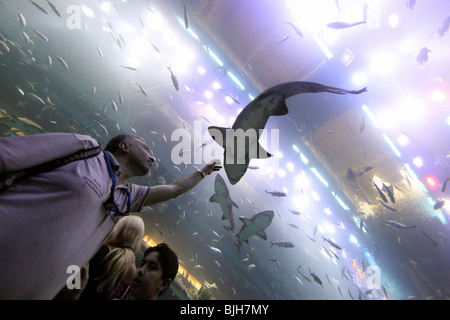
318 141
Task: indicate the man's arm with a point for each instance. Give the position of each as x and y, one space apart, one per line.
161 193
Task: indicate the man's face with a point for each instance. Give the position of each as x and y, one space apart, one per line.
140 157
148 282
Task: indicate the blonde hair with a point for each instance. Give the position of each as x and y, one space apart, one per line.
124 241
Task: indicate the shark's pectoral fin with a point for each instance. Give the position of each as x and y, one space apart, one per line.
218 134
262 234
262 153
245 221
214 198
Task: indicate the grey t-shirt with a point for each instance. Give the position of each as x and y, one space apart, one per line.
54 220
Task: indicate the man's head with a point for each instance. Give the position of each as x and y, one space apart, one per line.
132 153
158 269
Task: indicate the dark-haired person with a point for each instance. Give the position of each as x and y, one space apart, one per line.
61 217
156 273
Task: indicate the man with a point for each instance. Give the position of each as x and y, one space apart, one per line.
156 273
55 220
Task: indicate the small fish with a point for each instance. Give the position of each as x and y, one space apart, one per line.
315 277
54 8
282 40
104 108
444 28
94 89
282 244
298 280
113 105
154 47
277 193
334 244
337 5
120 97
444 186
215 249
277 262
62 62
174 79
296 30
36 98
397 225
104 128
438 205
142 89
429 238
389 192
4 46
39 7
129 68
326 275
342 25
365 170
350 175
22 20
304 276
186 17
42 36
380 192
423 55
388 206
410 4
100 52
25 36
361 129
297 213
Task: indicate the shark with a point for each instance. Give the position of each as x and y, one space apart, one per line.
222 197
240 142
256 225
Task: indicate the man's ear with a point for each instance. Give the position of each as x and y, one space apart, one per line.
125 147
165 284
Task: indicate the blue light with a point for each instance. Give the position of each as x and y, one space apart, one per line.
233 77
323 47
371 116
319 176
391 144
341 203
212 54
414 176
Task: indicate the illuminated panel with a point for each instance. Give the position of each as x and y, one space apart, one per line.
391 144
371 116
236 80
319 176
431 182
323 47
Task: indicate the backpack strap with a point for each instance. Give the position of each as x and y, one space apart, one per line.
8 178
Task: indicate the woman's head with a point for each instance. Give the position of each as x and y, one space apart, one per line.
128 232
